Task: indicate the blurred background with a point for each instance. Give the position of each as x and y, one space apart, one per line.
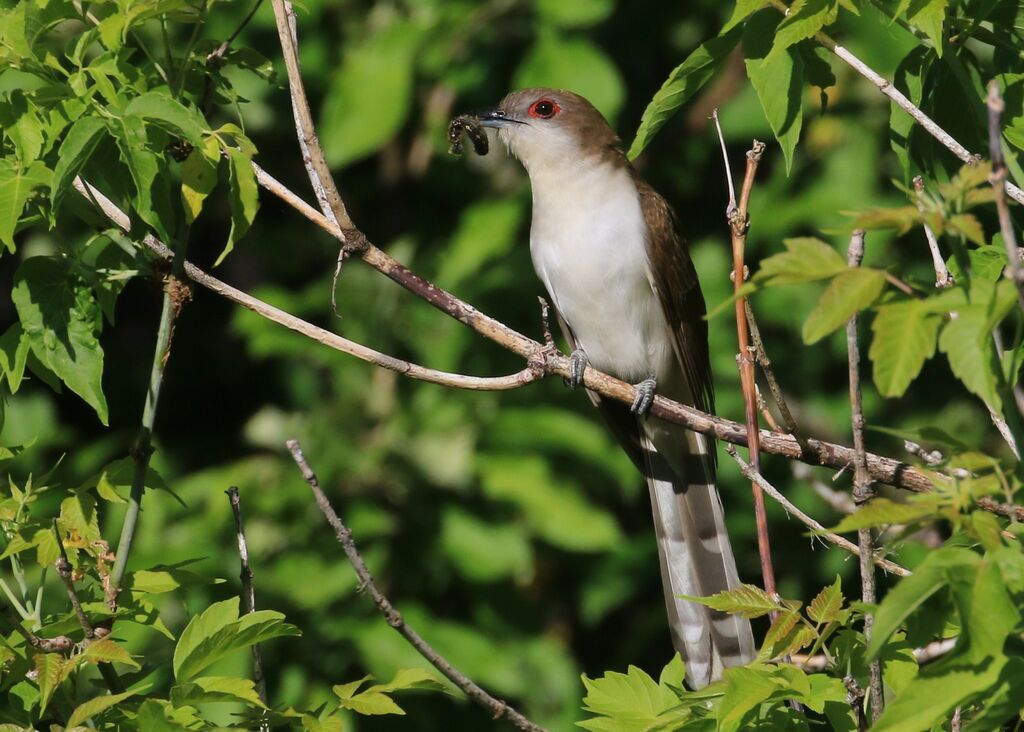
507 527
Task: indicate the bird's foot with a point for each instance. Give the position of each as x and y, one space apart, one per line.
577 365
644 396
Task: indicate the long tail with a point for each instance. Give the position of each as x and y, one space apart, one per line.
694 551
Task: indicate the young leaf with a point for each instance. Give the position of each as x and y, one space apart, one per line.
198 178
927 16
629 701
804 19
144 166
825 607
967 343
14 349
216 689
684 81
780 635
847 294
806 259
746 601
107 651
61 319
166 112
882 512
244 198
905 336
375 699
75 151
51 670
93 707
16 185
778 79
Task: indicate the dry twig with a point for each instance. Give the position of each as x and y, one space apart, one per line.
497 707
862 485
1000 185
248 592
942 276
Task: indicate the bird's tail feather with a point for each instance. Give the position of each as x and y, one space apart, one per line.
695 554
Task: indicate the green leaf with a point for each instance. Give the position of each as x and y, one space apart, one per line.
218 630
93 707
778 79
930 576
909 79
75 151
629 702
144 166
16 186
162 579
573 62
967 343
244 198
882 512
375 700
168 113
51 670
927 16
487 231
684 81
14 349
370 94
825 607
207 689
61 319
107 651
804 19
847 294
905 336
198 178
806 259
747 601
743 10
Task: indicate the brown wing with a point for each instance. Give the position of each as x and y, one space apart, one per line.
675 281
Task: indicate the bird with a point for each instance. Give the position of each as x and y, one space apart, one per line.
606 247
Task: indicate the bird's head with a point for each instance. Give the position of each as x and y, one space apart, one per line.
550 127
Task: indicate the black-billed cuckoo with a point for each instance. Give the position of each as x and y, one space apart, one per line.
604 243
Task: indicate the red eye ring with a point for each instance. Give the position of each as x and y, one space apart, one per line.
544 108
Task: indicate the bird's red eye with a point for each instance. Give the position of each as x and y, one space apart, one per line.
544 108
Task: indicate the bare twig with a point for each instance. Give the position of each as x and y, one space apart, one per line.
769 418
1000 185
925 654
817 452
862 485
1008 510
497 707
855 698
752 475
59 644
942 276
761 354
248 592
739 222
839 501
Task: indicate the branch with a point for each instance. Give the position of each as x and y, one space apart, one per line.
942 276
497 707
1000 185
739 223
752 475
862 486
1008 510
59 644
63 565
761 354
248 593
818 452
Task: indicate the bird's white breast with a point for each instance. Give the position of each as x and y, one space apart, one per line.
588 246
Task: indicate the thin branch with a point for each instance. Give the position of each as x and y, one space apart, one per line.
1008 510
838 501
924 654
497 707
862 485
59 644
248 592
942 276
999 184
725 156
816 452
312 153
761 354
739 222
845 544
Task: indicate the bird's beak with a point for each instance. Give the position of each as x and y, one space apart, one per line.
495 118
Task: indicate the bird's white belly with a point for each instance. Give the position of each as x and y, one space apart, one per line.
588 248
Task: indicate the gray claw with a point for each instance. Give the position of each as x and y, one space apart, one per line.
644 396
577 365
